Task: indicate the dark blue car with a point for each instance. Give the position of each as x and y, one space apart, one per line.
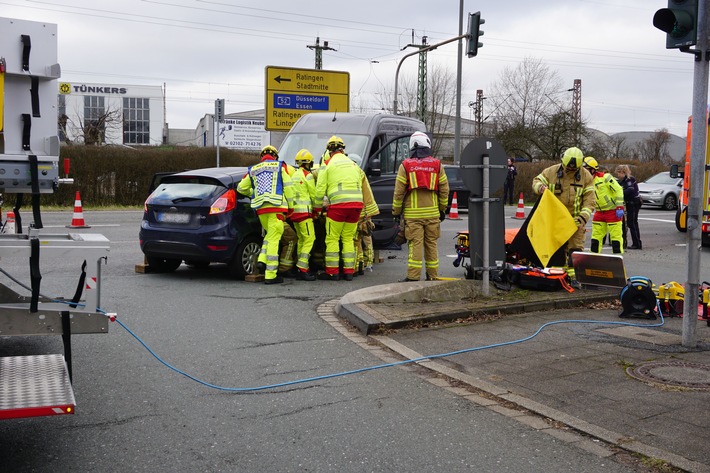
198 217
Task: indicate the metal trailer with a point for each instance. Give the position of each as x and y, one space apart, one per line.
39 385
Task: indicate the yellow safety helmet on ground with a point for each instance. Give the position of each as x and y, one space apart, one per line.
591 163
304 157
268 149
335 143
573 158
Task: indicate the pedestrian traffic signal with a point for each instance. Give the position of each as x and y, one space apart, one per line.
474 32
679 21
219 110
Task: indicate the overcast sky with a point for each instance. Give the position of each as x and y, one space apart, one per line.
208 49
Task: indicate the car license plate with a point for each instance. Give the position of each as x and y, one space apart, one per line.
164 217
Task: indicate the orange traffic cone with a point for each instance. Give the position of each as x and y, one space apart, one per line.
10 223
77 220
520 213
454 211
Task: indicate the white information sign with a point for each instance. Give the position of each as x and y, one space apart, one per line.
243 134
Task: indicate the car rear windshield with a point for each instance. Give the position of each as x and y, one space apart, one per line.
192 188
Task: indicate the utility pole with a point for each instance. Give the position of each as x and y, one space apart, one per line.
577 108
319 51
422 84
479 113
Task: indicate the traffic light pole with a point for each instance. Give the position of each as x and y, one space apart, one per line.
422 50
698 147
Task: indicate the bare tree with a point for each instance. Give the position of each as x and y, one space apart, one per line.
655 147
531 120
91 130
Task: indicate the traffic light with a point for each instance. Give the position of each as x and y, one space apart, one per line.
679 21
219 110
474 32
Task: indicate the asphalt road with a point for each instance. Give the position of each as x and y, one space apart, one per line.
135 414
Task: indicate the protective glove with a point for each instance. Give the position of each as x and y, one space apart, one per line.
442 216
620 213
396 219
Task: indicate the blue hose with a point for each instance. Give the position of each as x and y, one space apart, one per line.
386 365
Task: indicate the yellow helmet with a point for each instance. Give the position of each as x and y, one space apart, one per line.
591 163
268 149
573 158
304 157
335 143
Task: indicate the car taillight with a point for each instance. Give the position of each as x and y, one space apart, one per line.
224 203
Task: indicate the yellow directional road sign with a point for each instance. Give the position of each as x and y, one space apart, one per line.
291 93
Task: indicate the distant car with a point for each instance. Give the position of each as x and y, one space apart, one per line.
198 217
453 175
661 190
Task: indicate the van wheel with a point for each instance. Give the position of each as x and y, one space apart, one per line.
163 265
244 261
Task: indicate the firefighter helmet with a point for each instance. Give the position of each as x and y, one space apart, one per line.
304 157
268 149
591 163
419 140
335 143
572 158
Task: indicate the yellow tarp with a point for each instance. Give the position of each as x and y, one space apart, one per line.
549 227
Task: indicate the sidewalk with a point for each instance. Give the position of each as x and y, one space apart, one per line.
634 387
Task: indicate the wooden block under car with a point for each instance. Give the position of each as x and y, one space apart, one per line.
254 278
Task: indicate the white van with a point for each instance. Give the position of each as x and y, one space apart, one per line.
379 142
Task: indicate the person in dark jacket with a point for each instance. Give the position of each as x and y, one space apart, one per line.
632 204
509 185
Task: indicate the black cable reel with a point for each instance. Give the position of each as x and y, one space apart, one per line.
638 299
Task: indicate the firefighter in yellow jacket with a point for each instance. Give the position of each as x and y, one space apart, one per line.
302 217
340 180
574 187
609 214
269 185
421 193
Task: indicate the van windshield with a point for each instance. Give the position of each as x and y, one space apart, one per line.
355 146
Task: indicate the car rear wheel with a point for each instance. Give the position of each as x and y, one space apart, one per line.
245 257
670 202
163 265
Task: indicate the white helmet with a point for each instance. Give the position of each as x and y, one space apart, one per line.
419 139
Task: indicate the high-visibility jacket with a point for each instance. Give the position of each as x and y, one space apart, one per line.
421 188
269 186
370 207
574 189
609 193
341 181
304 191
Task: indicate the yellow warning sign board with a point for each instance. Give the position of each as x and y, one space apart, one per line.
291 93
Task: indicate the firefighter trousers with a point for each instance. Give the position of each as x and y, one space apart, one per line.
599 231
422 235
274 225
338 232
306 237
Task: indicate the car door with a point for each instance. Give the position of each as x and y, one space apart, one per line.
381 170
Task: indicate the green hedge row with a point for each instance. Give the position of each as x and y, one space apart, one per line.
118 176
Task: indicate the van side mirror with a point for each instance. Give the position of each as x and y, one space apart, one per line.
675 174
374 167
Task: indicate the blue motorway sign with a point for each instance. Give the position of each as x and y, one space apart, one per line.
301 102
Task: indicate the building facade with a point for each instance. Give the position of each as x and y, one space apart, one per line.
101 114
